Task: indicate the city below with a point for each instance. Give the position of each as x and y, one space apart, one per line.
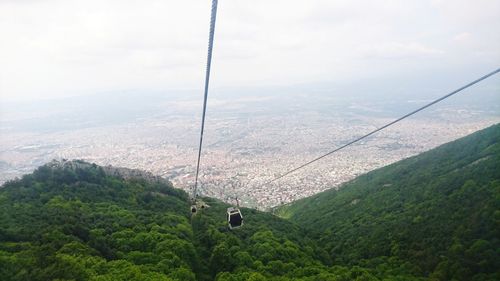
245 149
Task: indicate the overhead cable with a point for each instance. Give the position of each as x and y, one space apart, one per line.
207 79
383 127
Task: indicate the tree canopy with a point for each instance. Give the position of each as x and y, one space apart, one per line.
435 214
431 217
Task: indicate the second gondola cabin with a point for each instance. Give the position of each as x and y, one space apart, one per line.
234 218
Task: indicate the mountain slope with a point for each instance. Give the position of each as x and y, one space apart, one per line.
438 212
431 217
78 221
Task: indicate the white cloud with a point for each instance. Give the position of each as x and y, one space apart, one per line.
396 50
462 37
66 47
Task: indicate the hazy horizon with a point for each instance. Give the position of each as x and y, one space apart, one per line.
52 48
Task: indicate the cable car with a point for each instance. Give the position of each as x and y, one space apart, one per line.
193 209
234 218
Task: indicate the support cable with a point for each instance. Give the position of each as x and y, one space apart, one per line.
207 79
383 127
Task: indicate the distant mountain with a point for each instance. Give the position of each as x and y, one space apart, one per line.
431 217
437 213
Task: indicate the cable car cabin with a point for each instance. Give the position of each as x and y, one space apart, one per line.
234 218
193 209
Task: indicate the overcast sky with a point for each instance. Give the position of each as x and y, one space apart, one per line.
57 48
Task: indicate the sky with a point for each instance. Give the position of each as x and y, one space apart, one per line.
61 48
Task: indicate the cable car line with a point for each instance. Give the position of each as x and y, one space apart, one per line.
207 80
234 216
383 127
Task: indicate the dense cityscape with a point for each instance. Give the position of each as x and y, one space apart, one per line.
243 152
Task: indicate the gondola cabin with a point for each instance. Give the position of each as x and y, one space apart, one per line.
234 218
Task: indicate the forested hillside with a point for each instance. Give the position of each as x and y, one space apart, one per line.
431 217
74 222
437 213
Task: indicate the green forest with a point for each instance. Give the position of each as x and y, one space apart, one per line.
435 216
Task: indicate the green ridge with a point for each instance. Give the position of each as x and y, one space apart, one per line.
438 211
435 216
